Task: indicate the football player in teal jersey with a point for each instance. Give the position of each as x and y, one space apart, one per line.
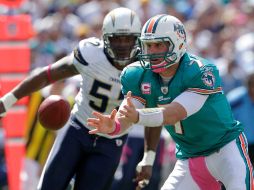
182 92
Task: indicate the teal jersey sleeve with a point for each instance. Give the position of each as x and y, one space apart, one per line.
202 77
130 79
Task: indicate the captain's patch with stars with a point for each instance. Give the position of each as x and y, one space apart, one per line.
208 78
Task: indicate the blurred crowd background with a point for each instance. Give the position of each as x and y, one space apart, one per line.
219 30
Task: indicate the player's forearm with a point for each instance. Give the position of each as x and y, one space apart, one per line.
37 80
32 83
151 141
44 76
173 113
152 138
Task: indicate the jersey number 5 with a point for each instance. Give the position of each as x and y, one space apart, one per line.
104 98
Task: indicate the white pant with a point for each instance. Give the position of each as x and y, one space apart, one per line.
231 165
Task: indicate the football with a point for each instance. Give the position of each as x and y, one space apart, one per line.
54 112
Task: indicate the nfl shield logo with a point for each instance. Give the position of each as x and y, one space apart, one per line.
164 89
119 142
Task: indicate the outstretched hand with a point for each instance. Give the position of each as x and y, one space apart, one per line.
102 123
106 123
129 111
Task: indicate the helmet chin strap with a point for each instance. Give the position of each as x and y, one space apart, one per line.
160 70
159 67
162 66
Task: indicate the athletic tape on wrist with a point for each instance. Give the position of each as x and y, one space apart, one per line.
148 160
117 128
8 100
150 117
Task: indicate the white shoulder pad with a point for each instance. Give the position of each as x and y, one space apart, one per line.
90 42
87 50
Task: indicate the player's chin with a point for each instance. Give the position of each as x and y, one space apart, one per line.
122 54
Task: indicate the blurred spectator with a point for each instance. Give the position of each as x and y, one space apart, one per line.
146 8
242 103
81 31
94 11
245 52
231 75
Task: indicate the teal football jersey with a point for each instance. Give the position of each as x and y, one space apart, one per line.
202 133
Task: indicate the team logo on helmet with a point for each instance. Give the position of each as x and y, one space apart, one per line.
179 29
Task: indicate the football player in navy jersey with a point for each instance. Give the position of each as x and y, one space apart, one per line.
92 159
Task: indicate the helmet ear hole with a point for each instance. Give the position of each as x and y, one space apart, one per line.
121 22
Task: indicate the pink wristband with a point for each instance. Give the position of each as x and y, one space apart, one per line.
117 128
49 75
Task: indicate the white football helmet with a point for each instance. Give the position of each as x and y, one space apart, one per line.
121 22
167 29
